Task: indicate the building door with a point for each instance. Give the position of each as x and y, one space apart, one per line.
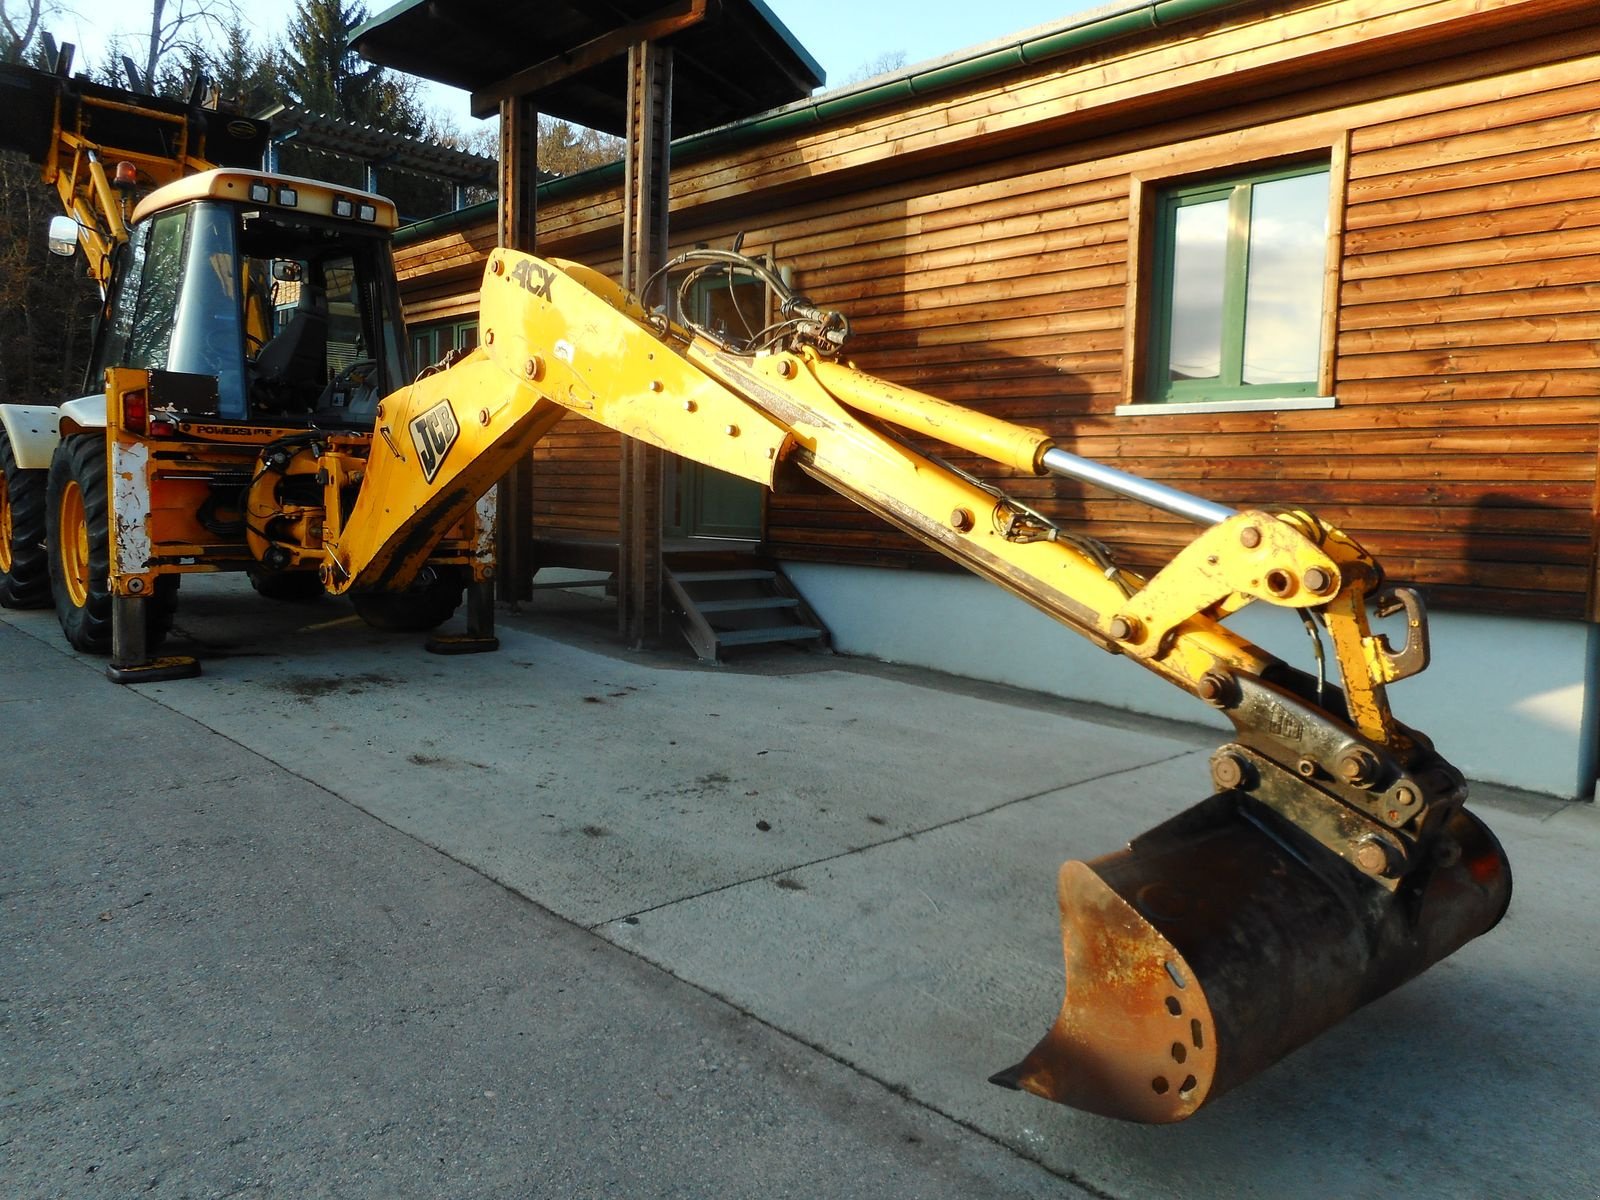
703 502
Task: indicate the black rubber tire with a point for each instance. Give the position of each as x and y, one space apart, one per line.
24 565
81 460
288 587
425 606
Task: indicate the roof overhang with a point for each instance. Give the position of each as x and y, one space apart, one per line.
731 58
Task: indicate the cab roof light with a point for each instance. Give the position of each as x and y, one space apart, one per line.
260 193
369 212
288 197
343 206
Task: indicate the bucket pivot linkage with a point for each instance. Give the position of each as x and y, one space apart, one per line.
1334 862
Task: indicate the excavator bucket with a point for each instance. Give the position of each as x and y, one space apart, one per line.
1224 938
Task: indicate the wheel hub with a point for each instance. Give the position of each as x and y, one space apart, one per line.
74 544
7 530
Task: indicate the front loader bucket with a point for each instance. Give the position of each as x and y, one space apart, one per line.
1224 938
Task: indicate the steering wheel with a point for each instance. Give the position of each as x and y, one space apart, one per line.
355 375
349 383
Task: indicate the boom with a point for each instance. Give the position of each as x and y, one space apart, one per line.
1327 811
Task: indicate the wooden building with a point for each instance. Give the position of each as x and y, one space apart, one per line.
1338 254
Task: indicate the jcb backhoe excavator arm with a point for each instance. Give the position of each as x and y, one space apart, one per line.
1335 859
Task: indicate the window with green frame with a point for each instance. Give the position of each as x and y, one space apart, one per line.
1239 285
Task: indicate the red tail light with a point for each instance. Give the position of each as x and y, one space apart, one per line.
135 411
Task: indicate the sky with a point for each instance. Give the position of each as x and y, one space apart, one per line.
842 35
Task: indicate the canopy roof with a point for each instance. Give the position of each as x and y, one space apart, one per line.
377 146
732 58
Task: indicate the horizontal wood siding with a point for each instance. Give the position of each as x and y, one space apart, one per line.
577 481
439 278
998 269
1471 277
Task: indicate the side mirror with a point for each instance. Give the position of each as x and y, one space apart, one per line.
286 270
63 236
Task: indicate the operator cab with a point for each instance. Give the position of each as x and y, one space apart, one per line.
280 289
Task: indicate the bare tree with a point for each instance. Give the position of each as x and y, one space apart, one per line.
178 26
481 137
564 148
45 303
19 25
889 60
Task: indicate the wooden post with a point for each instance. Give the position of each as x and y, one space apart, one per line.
519 182
644 232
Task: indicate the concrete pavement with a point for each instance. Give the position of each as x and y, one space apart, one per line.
852 861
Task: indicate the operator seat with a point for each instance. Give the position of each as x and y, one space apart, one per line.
291 370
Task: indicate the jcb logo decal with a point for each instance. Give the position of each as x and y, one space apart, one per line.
433 433
534 277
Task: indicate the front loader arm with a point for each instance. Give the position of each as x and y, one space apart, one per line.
74 129
1335 860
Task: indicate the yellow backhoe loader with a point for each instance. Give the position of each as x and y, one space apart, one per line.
1334 860
263 310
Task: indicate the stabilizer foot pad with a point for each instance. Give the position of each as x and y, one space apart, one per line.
157 670
451 643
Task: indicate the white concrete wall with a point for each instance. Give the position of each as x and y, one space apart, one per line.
1508 700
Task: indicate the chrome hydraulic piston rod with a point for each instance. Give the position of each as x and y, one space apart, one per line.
1157 495
1017 446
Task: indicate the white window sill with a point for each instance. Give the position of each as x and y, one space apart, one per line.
1285 404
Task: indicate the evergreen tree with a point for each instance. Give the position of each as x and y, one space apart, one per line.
245 78
109 69
175 73
320 72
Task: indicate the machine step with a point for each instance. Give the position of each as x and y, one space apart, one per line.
751 604
752 575
776 633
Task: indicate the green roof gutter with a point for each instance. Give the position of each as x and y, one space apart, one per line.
1028 49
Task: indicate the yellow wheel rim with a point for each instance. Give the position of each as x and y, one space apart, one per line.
74 539
5 527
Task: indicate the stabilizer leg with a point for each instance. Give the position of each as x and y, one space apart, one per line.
480 636
130 658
